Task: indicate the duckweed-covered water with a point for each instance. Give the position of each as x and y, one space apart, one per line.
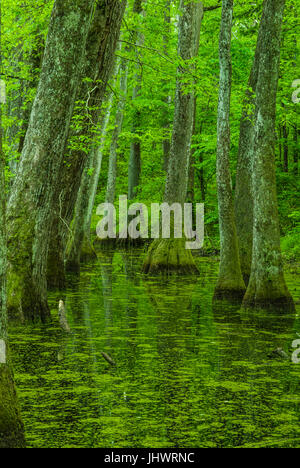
188 374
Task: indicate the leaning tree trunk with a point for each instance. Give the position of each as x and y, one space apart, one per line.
33 198
11 428
170 255
230 281
267 285
99 66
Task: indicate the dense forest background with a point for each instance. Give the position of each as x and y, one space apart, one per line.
148 52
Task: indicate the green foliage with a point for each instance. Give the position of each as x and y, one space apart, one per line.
151 64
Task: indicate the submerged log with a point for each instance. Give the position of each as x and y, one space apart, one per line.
108 359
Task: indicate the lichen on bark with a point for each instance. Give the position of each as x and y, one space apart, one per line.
267 287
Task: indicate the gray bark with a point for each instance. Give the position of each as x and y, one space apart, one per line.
267 285
230 281
34 193
243 190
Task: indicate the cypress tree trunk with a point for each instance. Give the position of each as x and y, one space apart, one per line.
191 175
11 427
134 166
112 167
267 286
170 255
33 198
243 190
99 66
230 281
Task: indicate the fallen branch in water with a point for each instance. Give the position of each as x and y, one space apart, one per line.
62 317
108 359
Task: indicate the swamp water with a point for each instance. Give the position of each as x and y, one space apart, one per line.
187 374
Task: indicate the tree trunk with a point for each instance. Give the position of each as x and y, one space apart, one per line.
191 175
134 166
230 282
267 286
112 167
243 190
11 427
33 198
79 245
166 117
99 66
169 255
285 148
280 145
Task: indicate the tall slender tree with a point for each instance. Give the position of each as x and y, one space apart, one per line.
79 245
230 280
267 284
134 166
112 165
170 255
243 190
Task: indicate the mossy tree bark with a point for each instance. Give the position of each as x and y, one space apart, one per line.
98 67
267 285
34 195
169 255
243 202
230 280
11 427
